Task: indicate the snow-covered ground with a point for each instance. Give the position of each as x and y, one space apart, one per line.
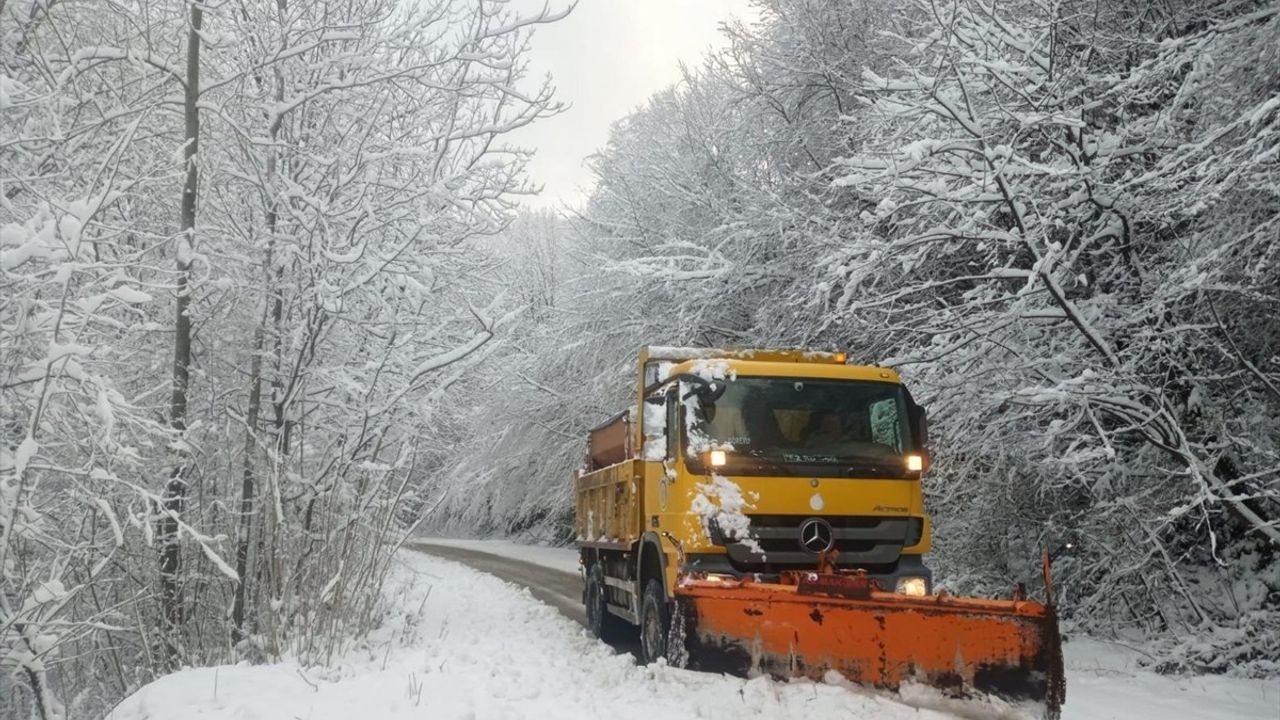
462 645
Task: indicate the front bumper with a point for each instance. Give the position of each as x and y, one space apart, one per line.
885 577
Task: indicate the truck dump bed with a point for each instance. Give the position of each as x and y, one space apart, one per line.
609 505
610 442
609 490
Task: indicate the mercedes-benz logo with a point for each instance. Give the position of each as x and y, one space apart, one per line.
816 535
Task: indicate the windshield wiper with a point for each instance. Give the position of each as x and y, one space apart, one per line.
773 464
863 469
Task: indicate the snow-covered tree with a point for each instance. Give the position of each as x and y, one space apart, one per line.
1058 220
1064 218
241 267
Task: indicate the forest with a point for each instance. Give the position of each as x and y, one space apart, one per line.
272 306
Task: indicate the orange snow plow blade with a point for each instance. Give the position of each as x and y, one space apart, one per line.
810 623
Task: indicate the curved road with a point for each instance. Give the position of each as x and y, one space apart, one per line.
556 588
559 589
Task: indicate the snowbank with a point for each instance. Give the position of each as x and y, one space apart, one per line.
462 645
465 645
1105 682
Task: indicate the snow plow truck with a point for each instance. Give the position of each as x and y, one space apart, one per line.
761 511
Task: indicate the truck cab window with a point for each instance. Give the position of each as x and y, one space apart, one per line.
673 426
812 426
656 437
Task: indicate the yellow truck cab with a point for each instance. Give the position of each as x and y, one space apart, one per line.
753 463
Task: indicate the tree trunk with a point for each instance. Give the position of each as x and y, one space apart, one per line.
248 486
175 491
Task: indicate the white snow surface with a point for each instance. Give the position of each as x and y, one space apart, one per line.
459 644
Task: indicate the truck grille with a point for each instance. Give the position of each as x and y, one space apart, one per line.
872 543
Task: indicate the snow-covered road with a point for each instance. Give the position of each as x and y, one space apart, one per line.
460 644
551 574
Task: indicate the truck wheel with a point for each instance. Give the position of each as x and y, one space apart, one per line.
655 621
603 625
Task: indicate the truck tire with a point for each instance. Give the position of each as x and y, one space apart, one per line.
655 621
600 622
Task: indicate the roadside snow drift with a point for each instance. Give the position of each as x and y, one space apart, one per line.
462 645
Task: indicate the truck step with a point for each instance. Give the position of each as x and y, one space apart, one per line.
623 613
624 585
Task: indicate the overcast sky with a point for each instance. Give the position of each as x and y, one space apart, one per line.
605 60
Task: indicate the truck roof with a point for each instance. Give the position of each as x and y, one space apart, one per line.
767 362
788 355
771 368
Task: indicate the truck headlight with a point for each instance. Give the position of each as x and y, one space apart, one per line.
915 586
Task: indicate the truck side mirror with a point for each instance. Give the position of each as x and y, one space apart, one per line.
919 425
708 390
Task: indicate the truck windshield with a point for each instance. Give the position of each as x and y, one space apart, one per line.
772 426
